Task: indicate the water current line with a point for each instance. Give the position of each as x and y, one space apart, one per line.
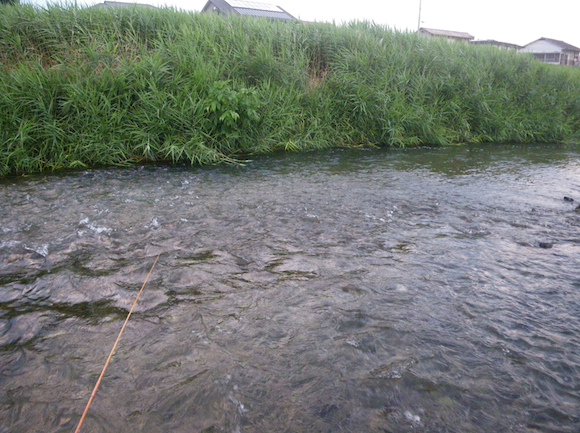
96 388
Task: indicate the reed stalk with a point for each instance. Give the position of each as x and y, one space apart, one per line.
113 350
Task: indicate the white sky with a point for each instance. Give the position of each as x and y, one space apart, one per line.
514 21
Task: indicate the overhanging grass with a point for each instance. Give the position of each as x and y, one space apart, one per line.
86 87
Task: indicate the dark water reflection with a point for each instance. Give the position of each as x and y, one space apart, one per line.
376 291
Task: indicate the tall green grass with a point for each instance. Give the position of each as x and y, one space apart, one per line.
88 87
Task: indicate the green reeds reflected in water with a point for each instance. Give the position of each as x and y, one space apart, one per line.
89 87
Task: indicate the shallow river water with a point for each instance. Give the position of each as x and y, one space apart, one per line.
423 290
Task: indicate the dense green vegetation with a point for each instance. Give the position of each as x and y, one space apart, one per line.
85 87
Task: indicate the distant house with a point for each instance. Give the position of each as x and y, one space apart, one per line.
553 52
498 44
126 5
248 8
446 34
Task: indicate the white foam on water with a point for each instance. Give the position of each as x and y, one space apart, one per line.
41 250
154 224
93 227
9 244
401 288
98 229
415 419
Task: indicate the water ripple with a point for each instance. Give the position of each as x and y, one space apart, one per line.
413 290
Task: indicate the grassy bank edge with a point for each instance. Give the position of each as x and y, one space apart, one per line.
99 87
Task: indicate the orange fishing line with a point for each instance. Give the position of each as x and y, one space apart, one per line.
96 388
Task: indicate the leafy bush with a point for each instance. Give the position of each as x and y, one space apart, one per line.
231 110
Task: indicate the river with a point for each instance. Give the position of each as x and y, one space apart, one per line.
418 290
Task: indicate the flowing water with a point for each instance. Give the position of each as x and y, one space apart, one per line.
423 290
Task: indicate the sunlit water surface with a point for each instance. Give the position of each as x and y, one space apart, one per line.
426 290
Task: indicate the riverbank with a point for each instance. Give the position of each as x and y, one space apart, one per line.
90 87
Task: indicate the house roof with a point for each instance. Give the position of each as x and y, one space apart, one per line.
113 4
248 8
496 43
446 33
561 44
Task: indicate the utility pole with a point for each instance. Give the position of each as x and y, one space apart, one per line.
419 20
